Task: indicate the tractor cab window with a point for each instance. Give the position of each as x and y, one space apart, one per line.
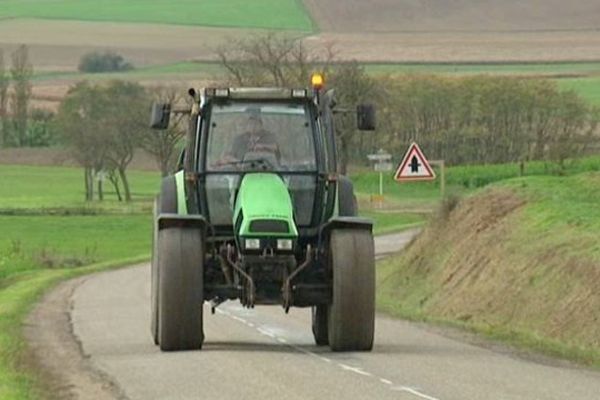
276 137
246 137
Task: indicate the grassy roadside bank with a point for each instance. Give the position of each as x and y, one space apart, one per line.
38 252
517 262
16 301
48 235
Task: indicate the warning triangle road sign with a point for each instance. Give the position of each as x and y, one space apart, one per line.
414 166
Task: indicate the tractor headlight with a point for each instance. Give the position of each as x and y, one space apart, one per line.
252 244
284 244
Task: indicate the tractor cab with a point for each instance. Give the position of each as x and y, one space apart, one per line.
258 213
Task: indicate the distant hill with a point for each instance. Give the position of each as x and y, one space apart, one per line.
454 15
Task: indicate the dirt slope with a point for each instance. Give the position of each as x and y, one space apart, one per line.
508 262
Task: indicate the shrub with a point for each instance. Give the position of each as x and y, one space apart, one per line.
103 62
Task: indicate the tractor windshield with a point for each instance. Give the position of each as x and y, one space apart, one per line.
253 136
269 136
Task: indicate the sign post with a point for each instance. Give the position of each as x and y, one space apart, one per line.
382 162
442 165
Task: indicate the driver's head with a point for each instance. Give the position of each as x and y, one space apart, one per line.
254 124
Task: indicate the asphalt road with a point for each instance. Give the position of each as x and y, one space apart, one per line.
265 354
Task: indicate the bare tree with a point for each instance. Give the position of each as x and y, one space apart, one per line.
4 83
163 144
125 123
80 119
272 60
21 73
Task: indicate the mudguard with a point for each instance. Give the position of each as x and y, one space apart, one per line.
347 223
166 220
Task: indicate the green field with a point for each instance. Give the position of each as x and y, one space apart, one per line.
58 187
588 88
36 242
268 14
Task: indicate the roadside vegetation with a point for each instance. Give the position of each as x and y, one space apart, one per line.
516 261
49 234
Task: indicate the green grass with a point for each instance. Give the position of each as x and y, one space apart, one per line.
387 222
475 176
187 69
36 252
16 301
50 187
268 14
35 242
588 88
410 195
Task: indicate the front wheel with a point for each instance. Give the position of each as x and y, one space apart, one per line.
351 322
319 324
180 287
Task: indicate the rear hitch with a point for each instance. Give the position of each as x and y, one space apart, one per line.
287 285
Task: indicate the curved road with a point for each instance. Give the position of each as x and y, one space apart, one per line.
265 354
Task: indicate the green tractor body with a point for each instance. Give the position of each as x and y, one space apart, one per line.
263 208
258 213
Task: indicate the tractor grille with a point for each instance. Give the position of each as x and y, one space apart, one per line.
269 226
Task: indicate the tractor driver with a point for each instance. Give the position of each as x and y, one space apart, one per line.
254 140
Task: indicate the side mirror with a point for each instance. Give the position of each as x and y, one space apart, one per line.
365 117
161 115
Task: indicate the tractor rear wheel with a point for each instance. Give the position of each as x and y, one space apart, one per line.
351 323
319 325
180 288
166 202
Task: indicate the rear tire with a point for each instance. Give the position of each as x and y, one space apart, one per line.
319 325
180 289
165 202
351 323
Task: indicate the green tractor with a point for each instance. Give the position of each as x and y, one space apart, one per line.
257 212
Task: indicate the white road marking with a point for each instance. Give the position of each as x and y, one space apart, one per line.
356 370
414 392
345 367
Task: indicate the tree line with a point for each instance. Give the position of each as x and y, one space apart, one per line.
20 126
463 120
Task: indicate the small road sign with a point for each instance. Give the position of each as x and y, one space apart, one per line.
382 162
414 166
384 166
